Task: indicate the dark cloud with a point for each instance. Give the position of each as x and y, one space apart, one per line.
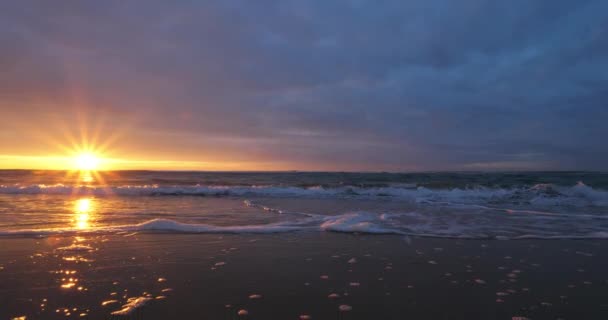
474 84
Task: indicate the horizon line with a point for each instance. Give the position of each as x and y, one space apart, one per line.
325 171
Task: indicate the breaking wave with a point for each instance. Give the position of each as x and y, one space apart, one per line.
544 211
540 194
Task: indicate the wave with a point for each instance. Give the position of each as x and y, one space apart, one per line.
539 195
461 226
360 222
159 225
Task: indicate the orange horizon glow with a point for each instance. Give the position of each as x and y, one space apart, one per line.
66 142
67 163
86 147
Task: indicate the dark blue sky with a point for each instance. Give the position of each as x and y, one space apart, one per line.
332 85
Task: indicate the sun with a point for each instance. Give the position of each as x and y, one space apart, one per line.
86 161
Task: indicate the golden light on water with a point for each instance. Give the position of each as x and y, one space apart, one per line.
83 205
83 209
86 176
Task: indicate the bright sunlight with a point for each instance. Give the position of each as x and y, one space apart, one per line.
87 162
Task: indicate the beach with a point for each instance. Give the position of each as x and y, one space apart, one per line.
292 276
276 160
168 245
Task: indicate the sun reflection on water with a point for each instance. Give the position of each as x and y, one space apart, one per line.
83 209
86 177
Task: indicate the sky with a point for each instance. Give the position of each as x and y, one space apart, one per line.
351 85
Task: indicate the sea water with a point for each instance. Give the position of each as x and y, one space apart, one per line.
453 205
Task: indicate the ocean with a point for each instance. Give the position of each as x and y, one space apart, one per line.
303 245
452 205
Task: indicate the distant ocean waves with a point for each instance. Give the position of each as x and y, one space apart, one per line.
540 195
500 206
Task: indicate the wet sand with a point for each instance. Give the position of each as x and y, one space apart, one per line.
291 276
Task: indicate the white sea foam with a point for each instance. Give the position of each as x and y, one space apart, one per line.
361 222
467 224
155 225
170 225
539 195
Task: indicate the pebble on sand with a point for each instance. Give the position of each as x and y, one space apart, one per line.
345 307
243 312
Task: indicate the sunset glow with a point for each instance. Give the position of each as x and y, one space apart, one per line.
188 159
87 161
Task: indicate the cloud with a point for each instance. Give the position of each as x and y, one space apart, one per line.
416 85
